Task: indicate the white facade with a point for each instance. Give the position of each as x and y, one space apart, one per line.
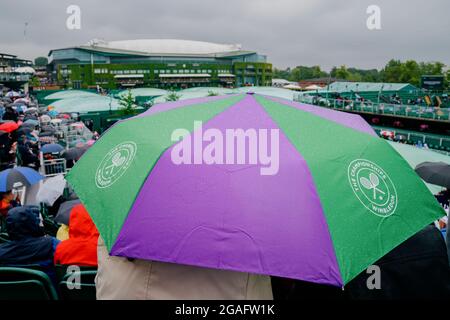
166 46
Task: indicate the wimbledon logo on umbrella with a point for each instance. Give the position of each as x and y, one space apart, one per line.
373 187
115 163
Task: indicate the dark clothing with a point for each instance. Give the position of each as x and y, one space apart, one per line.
28 243
27 156
417 268
10 114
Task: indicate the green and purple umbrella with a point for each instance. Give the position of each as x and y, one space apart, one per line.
338 199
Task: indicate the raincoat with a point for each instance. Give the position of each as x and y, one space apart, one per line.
123 279
81 247
28 243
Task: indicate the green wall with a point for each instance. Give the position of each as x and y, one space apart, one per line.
84 73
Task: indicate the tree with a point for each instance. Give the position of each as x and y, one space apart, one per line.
340 73
410 72
392 71
303 73
41 62
35 82
128 104
281 74
172 96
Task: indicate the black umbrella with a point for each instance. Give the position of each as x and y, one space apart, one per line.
29 124
24 175
48 128
24 130
75 153
63 215
46 134
437 173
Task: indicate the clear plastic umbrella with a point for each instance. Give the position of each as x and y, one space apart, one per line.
51 189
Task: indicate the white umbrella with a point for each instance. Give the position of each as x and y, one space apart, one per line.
51 189
25 70
22 100
313 87
45 118
11 94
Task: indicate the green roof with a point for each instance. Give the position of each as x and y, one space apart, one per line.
414 156
68 94
369 86
86 104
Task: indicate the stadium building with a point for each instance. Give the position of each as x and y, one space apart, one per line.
158 63
14 72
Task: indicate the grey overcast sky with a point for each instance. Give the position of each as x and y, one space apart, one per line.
289 32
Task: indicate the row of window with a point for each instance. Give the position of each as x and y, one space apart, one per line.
162 71
127 71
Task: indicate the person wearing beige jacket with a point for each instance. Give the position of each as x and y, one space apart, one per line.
119 278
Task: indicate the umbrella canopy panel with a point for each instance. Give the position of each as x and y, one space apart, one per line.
437 173
340 198
24 175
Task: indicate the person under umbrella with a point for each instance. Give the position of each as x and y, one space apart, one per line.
25 149
10 114
6 152
74 154
28 243
81 246
7 201
63 215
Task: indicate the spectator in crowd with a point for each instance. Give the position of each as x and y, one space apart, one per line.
122 278
28 158
81 247
28 244
8 201
417 268
10 114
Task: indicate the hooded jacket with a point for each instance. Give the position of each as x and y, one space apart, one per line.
28 243
81 247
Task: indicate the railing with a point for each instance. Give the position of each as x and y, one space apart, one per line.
433 142
54 167
429 113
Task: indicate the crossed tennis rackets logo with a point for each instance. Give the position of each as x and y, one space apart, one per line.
373 187
372 184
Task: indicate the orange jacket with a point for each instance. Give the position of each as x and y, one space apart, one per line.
81 247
